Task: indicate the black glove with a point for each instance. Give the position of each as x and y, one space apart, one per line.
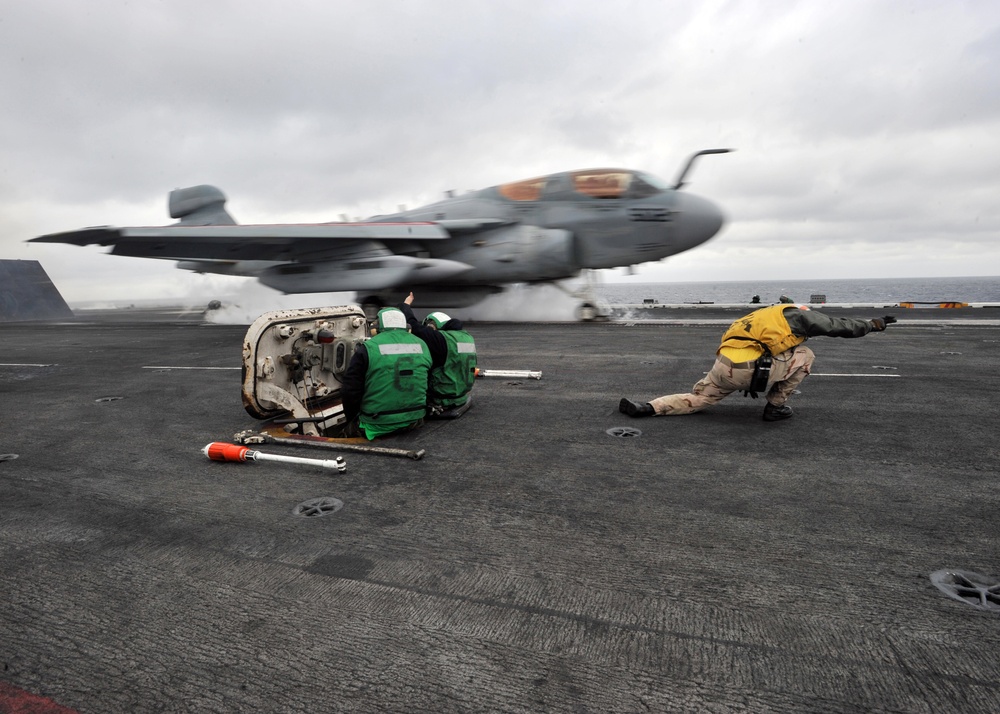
889 319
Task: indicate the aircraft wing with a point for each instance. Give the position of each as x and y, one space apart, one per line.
279 242
471 225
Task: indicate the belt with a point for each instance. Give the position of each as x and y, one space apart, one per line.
736 365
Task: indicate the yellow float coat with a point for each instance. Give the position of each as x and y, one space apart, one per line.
767 325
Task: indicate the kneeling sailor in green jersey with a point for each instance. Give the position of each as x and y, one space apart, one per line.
453 357
385 386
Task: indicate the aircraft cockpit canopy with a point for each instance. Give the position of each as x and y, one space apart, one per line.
593 183
527 190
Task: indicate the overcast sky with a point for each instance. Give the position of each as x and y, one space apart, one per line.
867 132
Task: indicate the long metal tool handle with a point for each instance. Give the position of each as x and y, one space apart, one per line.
325 443
360 448
337 463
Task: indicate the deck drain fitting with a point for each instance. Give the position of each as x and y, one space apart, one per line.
8 457
971 588
624 432
316 507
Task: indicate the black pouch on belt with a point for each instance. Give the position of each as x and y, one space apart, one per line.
761 373
761 370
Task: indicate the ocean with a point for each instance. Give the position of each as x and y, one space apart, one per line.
545 303
858 290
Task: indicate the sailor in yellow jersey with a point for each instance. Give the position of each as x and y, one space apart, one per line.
780 329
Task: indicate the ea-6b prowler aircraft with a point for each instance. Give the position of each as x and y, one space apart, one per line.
454 252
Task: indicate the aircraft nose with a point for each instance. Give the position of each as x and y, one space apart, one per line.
698 220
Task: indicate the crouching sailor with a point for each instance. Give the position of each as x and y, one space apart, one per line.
763 352
453 361
385 386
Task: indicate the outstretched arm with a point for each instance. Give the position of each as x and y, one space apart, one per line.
435 342
415 327
810 323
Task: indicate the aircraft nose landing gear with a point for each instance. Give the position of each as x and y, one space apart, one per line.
591 307
590 312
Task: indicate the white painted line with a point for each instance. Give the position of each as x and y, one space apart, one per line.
902 322
833 374
172 367
15 364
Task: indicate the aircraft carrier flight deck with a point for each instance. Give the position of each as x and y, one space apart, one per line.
546 554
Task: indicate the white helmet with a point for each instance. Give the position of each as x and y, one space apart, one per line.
390 318
439 319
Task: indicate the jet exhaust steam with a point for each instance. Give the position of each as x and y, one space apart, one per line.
252 300
525 303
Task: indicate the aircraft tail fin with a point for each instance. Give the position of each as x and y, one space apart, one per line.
199 206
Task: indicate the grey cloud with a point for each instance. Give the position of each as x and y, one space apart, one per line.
875 115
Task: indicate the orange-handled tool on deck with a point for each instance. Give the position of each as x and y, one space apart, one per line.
221 451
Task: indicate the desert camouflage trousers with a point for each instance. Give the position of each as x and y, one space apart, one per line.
787 372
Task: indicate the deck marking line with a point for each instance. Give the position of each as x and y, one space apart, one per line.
835 374
166 366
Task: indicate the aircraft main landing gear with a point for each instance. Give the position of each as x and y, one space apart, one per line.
371 305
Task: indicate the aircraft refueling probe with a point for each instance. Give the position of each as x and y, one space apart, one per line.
679 182
221 451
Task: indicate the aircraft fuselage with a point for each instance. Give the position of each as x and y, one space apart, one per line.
557 230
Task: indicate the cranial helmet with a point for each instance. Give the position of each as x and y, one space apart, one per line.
390 318
438 319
